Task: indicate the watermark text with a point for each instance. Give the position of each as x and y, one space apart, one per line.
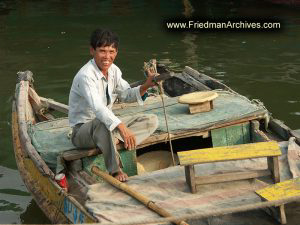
224 25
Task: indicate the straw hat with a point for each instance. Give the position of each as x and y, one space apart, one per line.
197 97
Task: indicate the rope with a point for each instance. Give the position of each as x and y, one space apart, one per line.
161 93
215 212
152 65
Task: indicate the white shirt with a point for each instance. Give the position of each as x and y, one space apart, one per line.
87 99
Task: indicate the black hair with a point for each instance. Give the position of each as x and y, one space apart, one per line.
102 38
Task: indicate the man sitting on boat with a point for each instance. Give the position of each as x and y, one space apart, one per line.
94 89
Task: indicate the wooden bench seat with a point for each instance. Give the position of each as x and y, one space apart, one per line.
188 159
280 191
78 154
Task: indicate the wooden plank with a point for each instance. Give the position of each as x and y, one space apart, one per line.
285 189
279 128
190 178
296 132
201 107
219 137
246 133
55 105
235 135
226 153
163 137
46 192
22 100
256 134
273 166
78 154
185 77
206 80
233 176
232 135
282 214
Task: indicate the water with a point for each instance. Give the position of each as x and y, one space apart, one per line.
50 38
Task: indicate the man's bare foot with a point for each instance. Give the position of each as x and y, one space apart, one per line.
120 176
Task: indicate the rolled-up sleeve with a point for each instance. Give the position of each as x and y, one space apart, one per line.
88 89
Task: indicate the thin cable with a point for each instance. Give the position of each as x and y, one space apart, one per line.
161 93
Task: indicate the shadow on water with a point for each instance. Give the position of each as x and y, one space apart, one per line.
33 209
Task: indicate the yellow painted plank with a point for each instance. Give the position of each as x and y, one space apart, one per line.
289 188
226 153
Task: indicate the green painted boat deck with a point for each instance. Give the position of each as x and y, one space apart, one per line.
51 139
227 107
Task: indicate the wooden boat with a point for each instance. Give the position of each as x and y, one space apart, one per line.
242 120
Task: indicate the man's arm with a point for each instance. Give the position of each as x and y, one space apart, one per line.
127 135
148 83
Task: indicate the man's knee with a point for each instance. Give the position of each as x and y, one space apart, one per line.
100 132
152 121
97 124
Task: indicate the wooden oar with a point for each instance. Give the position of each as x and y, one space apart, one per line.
147 202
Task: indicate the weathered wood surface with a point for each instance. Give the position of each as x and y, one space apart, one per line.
55 105
46 192
256 134
32 185
22 100
233 176
201 107
178 114
163 137
190 178
78 154
283 131
285 189
226 153
206 80
37 106
273 166
192 81
157 138
231 135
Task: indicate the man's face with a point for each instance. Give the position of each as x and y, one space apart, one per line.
104 57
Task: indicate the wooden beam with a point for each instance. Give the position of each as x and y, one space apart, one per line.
78 154
206 80
218 178
190 178
226 153
55 105
162 137
192 81
22 100
273 166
